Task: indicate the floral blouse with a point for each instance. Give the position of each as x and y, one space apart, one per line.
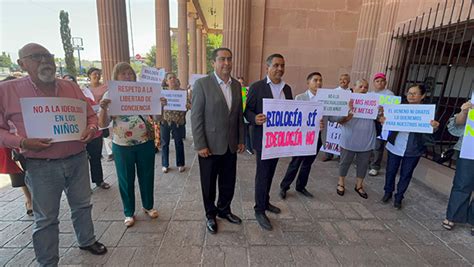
129 130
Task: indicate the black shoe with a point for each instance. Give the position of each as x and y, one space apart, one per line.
361 192
397 204
211 225
232 218
305 193
96 248
386 197
282 193
273 209
263 221
340 192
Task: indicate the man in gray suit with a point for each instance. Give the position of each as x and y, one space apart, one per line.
218 132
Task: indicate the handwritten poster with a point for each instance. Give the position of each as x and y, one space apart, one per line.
291 129
59 118
335 102
389 99
333 137
176 99
467 149
194 78
134 98
409 118
365 106
152 75
244 97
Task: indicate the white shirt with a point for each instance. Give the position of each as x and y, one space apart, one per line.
226 89
340 88
400 145
277 89
383 92
310 95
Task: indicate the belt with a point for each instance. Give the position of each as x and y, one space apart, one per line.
44 159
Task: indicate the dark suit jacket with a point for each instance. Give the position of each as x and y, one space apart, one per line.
213 125
257 92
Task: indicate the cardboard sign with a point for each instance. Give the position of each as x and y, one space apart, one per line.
365 106
335 102
195 77
152 75
134 98
291 129
176 99
333 137
59 118
409 118
467 149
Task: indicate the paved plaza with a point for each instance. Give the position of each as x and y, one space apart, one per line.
327 230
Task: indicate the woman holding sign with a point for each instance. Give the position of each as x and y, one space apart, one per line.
173 122
133 147
461 204
405 149
357 140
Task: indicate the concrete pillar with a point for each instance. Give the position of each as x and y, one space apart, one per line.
183 43
199 49
366 39
387 24
236 34
163 39
204 52
192 43
113 35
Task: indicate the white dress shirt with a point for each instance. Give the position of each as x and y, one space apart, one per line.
310 94
226 89
277 89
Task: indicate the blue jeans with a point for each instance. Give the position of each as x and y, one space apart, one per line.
178 134
460 205
406 172
46 180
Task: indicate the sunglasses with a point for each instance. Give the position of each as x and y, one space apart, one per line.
39 57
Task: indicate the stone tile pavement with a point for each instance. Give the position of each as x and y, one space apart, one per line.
328 230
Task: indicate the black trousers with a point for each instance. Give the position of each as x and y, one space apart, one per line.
221 169
303 164
263 182
94 149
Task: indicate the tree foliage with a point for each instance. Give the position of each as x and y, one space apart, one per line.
213 41
5 60
67 45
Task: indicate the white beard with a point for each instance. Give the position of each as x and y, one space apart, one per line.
46 76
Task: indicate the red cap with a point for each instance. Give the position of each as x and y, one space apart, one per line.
379 75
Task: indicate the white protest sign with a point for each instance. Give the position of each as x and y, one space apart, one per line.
152 75
467 149
335 102
333 137
59 118
176 99
409 118
365 106
291 128
134 98
194 78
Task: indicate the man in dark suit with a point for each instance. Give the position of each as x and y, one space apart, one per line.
218 132
272 86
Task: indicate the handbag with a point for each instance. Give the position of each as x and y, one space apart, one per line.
150 131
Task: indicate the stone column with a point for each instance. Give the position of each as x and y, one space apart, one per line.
387 23
366 39
163 39
192 43
183 43
113 35
199 49
236 34
204 53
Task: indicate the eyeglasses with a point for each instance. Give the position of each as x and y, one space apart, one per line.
412 94
38 57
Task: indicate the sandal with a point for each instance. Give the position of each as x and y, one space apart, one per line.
340 192
104 185
129 221
448 225
362 193
29 212
152 213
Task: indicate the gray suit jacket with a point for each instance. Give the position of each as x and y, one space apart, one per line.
213 125
304 96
